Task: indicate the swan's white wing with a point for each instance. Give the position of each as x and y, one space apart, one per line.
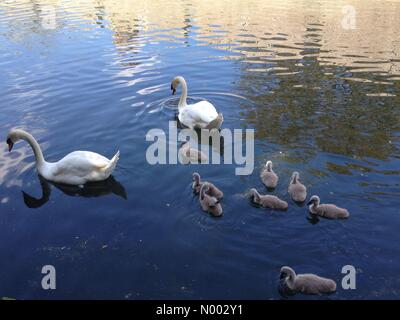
198 114
80 163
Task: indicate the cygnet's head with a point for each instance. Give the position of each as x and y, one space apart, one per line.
314 200
286 272
196 177
295 176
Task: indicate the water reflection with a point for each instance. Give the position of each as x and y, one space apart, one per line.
89 190
325 111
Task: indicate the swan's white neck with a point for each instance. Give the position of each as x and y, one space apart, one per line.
182 100
290 279
256 195
313 207
202 191
40 162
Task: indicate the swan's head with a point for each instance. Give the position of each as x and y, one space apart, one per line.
196 177
314 200
295 176
13 136
253 193
287 272
175 83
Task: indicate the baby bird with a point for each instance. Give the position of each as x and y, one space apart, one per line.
209 203
191 155
306 283
268 201
296 189
329 211
197 183
268 176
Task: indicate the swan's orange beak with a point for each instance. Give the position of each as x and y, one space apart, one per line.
10 144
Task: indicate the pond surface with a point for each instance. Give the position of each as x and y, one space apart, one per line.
322 93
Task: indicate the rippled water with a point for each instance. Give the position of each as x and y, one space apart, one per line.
323 100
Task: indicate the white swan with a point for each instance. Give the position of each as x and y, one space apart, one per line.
202 115
76 168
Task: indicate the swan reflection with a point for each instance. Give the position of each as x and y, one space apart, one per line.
89 190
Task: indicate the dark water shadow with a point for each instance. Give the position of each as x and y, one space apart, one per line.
89 190
312 219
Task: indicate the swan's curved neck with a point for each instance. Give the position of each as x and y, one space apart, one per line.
256 195
202 191
290 279
182 100
35 147
197 180
313 207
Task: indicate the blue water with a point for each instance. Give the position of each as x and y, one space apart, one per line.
323 100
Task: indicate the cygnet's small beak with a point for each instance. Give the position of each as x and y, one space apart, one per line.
10 144
309 202
173 89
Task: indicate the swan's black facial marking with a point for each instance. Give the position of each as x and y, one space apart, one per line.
173 89
10 144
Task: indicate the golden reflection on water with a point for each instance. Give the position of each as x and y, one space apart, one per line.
278 29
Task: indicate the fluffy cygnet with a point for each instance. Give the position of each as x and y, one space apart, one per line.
306 283
268 176
329 211
268 201
209 203
297 190
197 183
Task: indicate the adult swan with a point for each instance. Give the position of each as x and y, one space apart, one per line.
201 115
75 168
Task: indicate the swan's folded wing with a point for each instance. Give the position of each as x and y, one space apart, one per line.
79 163
203 112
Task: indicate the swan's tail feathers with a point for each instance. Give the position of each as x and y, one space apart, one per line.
216 123
111 166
